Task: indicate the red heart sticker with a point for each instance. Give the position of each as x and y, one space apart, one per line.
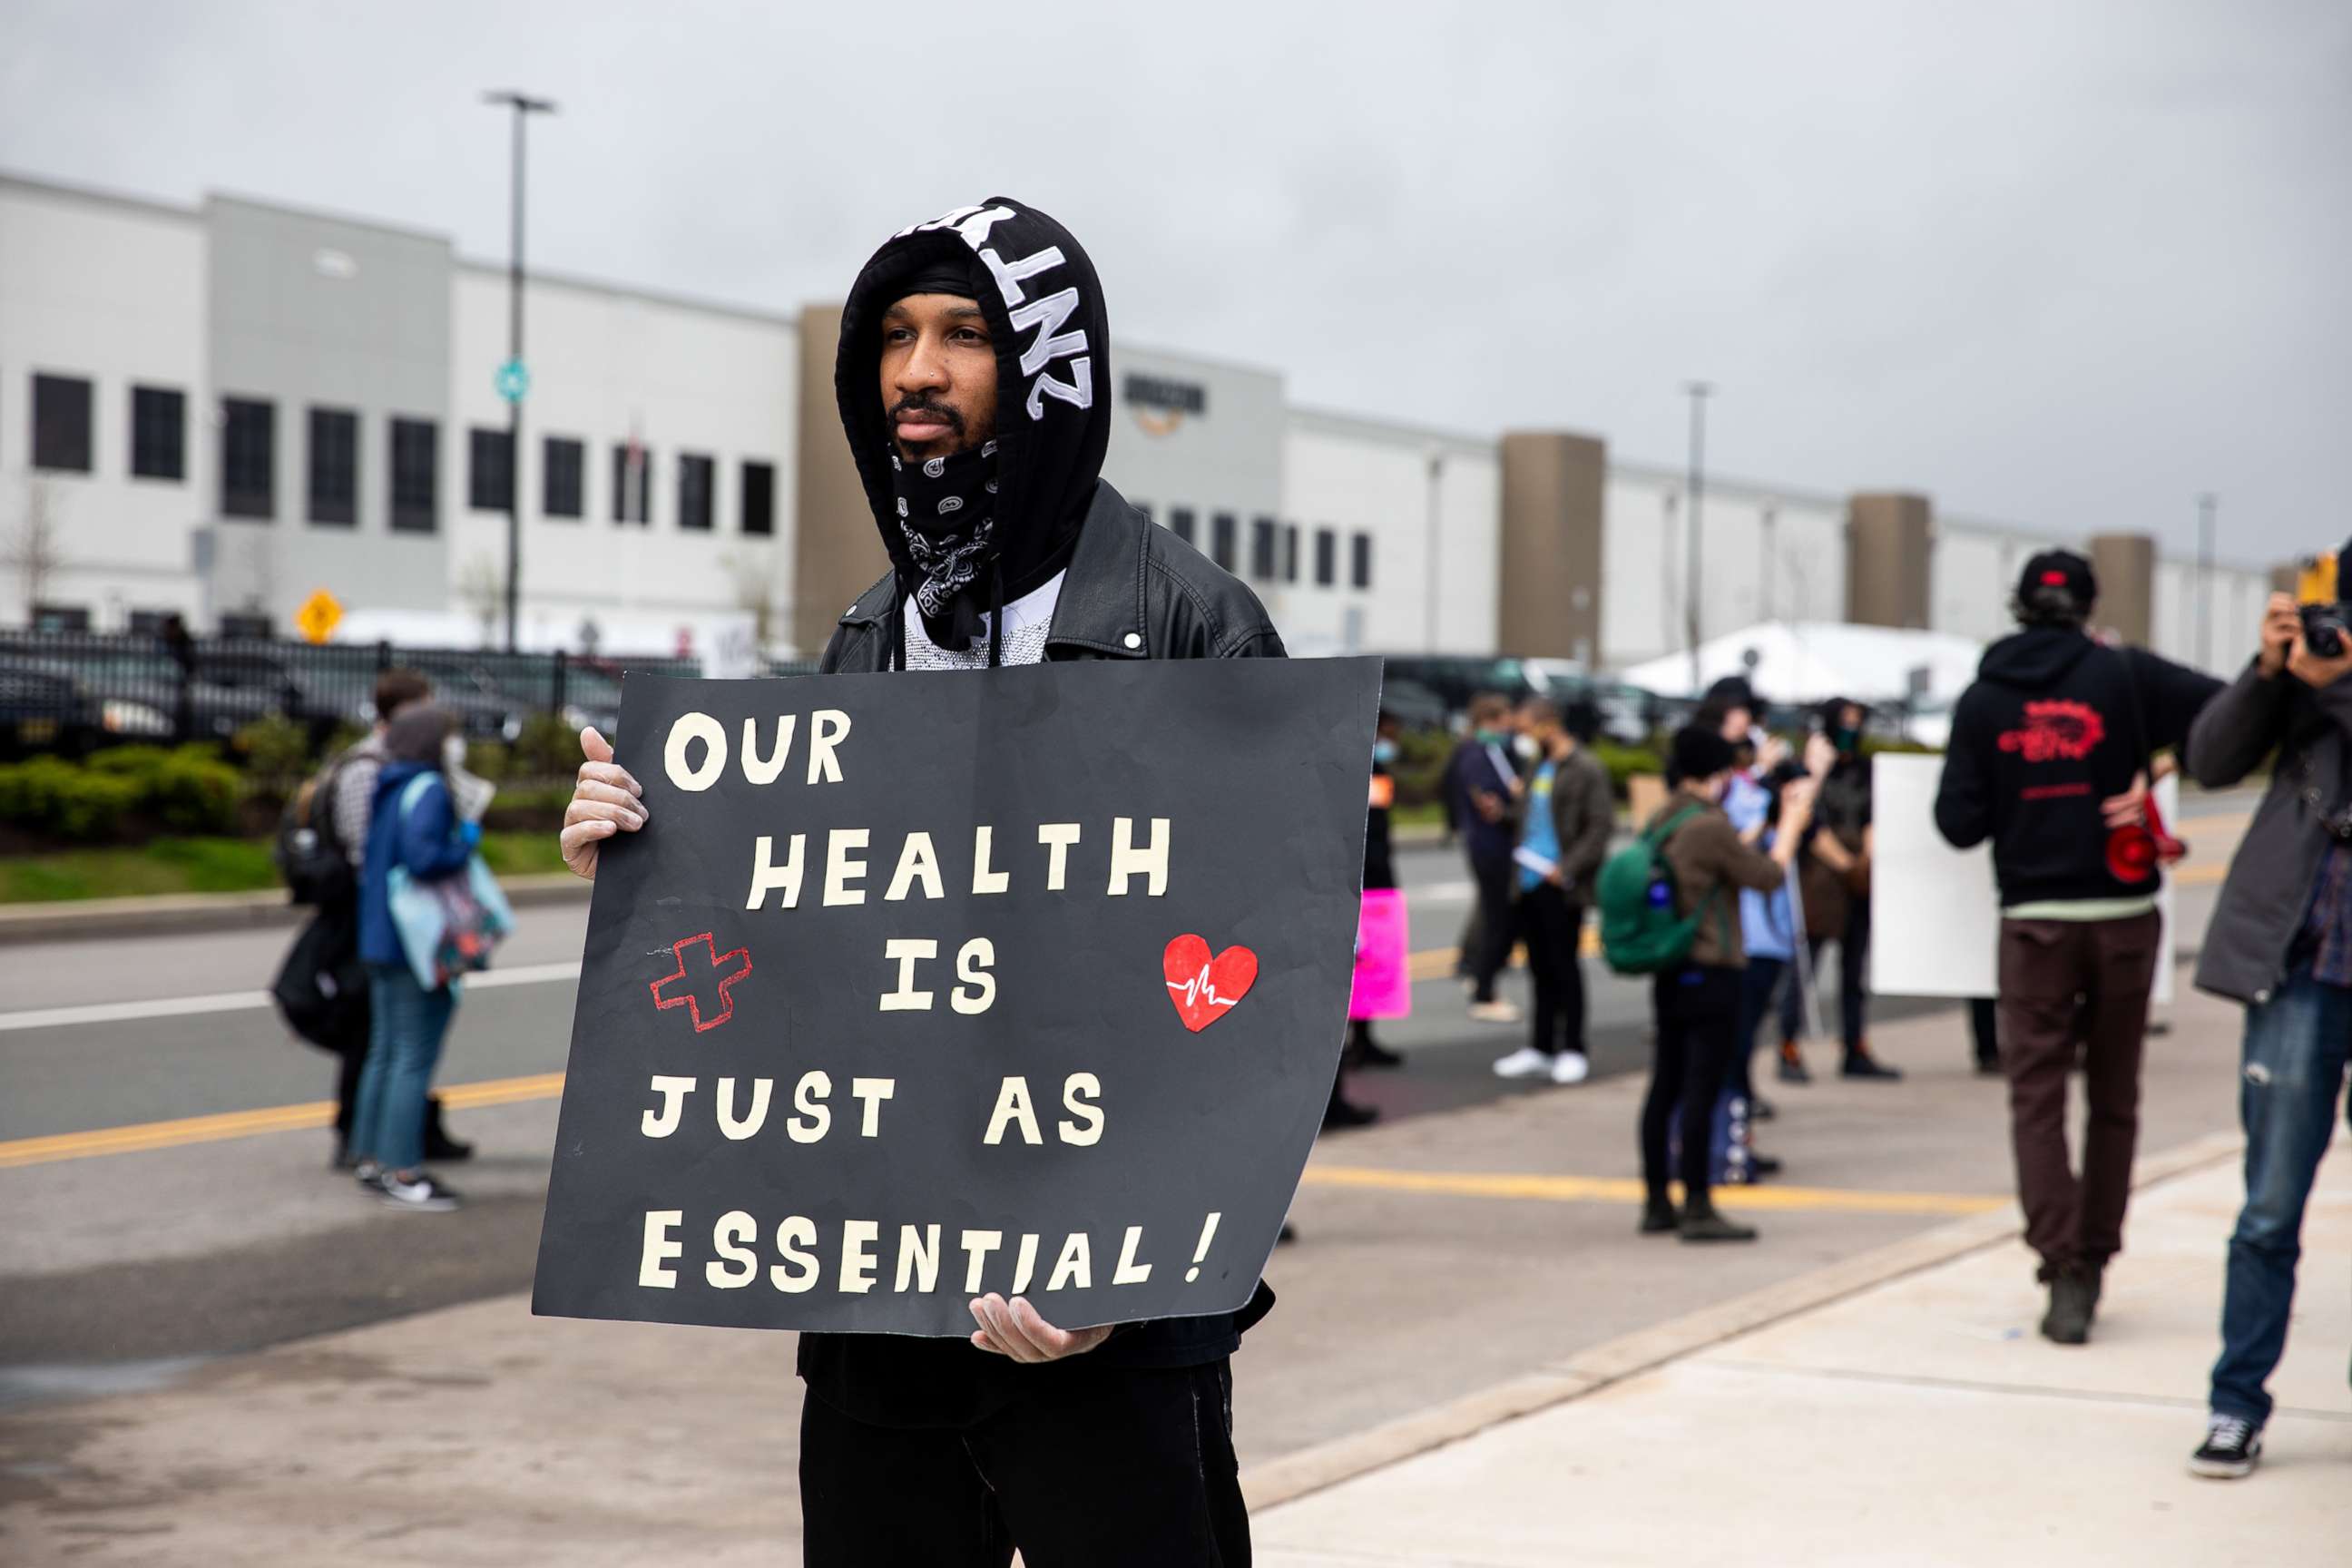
1202 987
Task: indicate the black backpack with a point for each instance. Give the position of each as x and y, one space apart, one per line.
310 853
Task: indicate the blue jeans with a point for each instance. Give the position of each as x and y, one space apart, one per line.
406 1025
2295 1052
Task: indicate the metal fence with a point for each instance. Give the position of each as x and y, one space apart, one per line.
69 692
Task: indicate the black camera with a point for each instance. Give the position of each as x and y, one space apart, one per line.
2324 629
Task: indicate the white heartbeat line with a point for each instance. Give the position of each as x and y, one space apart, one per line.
1198 986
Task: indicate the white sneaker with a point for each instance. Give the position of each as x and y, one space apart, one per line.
1499 1011
423 1195
1570 1067
1525 1062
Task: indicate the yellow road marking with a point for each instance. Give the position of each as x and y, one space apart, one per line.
1625 1190
189 1129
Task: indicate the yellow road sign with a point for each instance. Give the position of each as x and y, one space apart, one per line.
319 614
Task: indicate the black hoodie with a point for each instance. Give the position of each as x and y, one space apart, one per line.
2054 725
1052 335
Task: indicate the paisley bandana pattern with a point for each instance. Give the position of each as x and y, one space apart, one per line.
947 516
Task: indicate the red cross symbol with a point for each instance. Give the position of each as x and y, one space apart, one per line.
688 995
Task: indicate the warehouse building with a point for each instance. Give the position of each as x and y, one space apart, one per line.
215 410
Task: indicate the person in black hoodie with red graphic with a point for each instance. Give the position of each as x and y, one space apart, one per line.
974 378
2049 759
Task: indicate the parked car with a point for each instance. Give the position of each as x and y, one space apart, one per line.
308 697
487 710
45 708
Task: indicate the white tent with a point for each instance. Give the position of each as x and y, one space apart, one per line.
1810 661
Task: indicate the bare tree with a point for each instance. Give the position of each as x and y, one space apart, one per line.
483 592
750 574
35 548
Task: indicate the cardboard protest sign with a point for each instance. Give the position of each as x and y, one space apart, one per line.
913 988
1936 931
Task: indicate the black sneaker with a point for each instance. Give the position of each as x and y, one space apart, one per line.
1342 1114
1659 1217
1761 1110
1860 1064
1792 1064
423 1195
1374 1054
1762 1165
2068 1320
2232 1447
1706 1225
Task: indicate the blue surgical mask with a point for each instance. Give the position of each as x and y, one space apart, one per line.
1385 751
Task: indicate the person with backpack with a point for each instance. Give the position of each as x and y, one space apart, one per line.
2049 758
322 988
414 828
1670 909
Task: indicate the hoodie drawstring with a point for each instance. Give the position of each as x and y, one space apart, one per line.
996 613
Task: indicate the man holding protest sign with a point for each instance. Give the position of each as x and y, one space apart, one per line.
2050 756
971 349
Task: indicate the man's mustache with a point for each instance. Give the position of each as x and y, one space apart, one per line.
938 411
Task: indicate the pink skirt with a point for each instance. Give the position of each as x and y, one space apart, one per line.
1383 986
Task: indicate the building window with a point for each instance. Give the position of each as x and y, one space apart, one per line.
62 424
159 433
1290 553
47 617
1225 543
633 468
1179 522
759 498
490 469
564 468
415 476
245 626
248 458
1327 557
334 466
1359 561
1262 549
694 492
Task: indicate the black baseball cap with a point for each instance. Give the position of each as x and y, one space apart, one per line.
2061 568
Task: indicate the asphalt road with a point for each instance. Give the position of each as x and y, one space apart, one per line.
128 1256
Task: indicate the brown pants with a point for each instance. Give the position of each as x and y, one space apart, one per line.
2075 991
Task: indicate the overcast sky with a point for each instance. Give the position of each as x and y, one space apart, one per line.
2063 263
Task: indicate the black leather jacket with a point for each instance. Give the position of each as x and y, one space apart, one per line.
1133 590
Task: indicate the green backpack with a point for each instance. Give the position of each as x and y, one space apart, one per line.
1640 931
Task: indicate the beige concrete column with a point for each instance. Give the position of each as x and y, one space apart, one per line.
836 555
1889 543
1550 597
2124 564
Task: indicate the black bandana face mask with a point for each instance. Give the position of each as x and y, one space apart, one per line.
946 514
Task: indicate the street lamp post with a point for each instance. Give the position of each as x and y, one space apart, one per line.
1692 577
2207 504
1430 512
513 380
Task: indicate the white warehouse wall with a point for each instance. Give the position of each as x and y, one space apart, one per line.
1770 554
112 291
686 378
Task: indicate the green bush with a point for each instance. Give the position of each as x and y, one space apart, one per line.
189 790
276 749
1623 762
489 759
63 800
547 747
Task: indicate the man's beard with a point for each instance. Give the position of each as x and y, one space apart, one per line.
959 436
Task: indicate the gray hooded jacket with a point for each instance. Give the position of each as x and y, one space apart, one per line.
2268 893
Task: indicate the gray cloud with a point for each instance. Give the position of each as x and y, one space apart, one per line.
2061 265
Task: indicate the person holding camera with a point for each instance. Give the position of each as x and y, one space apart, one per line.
2280 943
2050 755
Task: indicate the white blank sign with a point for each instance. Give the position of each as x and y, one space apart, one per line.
1935 912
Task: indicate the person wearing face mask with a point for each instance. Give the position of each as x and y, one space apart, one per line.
1697 1001
973 380
413 826
1564 835
1833 879
1482 791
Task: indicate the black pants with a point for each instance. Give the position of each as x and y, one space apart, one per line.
1552 924
1495 880
1698 1027
1101 1466
347 1088
1984 1031
1854 962
1758 982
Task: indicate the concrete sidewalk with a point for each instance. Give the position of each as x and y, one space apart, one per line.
1920 1420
